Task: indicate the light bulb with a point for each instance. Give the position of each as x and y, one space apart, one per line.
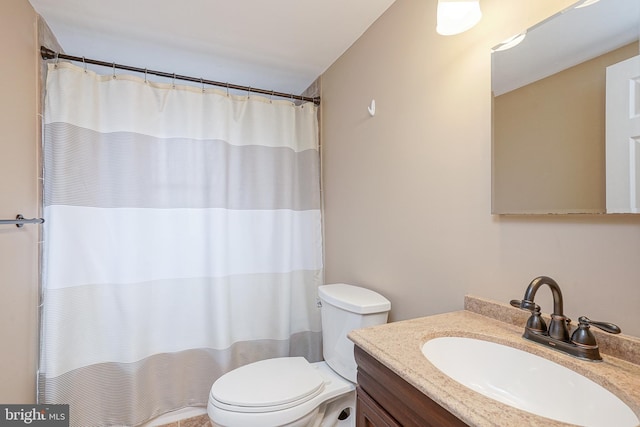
457 16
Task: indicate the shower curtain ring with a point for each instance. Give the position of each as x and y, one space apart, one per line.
227 88
173 82
114 70
202 83
85 64
145 76
55 65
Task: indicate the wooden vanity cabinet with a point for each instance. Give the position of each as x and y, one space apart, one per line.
386 400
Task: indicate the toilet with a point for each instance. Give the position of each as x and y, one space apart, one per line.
290 391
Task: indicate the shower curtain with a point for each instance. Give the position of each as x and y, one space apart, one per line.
182 239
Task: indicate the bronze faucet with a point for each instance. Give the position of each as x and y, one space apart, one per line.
581 343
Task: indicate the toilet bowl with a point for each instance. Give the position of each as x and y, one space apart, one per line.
290 391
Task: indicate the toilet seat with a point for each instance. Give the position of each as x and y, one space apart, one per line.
267 385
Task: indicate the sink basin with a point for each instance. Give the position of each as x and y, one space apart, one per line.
528 382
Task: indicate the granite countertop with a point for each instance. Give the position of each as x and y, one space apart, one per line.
398 346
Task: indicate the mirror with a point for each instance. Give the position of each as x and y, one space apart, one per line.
548 103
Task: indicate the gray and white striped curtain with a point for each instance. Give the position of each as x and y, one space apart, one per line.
182 239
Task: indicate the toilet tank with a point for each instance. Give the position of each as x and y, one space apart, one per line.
345 308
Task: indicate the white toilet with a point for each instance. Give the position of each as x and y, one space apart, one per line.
289 391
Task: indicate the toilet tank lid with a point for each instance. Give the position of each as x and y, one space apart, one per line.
354 298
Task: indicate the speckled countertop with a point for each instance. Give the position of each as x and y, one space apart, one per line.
398 346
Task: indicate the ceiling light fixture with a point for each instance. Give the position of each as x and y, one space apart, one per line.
457 16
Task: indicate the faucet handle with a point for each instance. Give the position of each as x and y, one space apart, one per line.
582 336
605 326
525 305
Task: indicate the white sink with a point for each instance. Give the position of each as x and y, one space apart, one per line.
528 382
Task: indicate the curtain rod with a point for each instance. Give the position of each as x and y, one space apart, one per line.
47 53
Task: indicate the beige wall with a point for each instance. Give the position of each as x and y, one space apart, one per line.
19 126
408 192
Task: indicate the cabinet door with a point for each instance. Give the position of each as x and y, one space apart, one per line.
370 414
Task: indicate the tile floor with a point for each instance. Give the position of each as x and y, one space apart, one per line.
199 421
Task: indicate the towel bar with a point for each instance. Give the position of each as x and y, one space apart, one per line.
20 221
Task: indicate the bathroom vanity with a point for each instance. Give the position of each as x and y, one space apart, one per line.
385 399
398 386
